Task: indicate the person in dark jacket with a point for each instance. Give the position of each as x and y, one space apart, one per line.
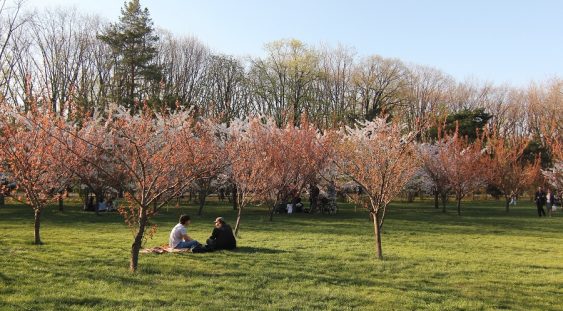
540 199
222 236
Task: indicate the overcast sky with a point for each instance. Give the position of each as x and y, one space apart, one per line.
500 41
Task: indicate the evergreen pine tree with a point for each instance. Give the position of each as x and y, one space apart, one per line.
133 43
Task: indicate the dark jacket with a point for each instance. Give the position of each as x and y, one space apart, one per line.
540 198
551 198
222 238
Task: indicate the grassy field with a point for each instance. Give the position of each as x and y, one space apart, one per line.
484 260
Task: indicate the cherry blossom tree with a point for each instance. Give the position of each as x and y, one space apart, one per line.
464 165
435 171
381 159
156 156
296 154
507 170
554 175
89 163
31 158
268 164
248 162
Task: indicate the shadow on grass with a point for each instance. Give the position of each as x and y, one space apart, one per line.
5 279
257 250
85 303
129 279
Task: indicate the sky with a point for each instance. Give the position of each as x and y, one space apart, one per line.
499 41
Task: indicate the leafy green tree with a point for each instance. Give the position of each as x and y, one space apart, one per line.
284 80
133 44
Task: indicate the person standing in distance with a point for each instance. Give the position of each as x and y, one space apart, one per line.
540 201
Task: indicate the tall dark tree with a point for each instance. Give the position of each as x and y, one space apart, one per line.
467 123
133 43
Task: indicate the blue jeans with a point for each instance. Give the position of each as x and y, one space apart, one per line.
187 244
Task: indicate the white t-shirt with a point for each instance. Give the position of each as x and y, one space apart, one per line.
177 235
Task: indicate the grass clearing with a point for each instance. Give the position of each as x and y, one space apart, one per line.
484 260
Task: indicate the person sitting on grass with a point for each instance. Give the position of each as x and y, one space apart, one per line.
222 236
179 237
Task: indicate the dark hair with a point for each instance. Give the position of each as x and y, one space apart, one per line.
184 219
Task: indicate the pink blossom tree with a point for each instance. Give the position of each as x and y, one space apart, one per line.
248 162
554 175
464 165
297 154
156 157
507 169
435 170
31 158
90 164
381 159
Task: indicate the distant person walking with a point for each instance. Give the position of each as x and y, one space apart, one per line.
513 198
540 199
549 200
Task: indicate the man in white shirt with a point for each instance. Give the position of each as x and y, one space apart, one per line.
179 237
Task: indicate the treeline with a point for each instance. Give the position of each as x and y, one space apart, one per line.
78 63
154 157
122 107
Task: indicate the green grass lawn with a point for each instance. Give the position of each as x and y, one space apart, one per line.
484 260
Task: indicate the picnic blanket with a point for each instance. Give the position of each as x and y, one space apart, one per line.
164 249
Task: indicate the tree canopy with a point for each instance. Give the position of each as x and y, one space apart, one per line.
133 45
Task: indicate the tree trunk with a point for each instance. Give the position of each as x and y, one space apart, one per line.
99 198
273 208
61 205
377 231
237 225
444 199
221 194
459 207
37 224
235 197
2 201
202 196
507 199
136 246
436 199
86 199
410 197
314 197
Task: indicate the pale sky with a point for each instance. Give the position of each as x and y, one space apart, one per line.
500 41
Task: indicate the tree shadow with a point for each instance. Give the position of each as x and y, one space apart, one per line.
257 250
5 279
